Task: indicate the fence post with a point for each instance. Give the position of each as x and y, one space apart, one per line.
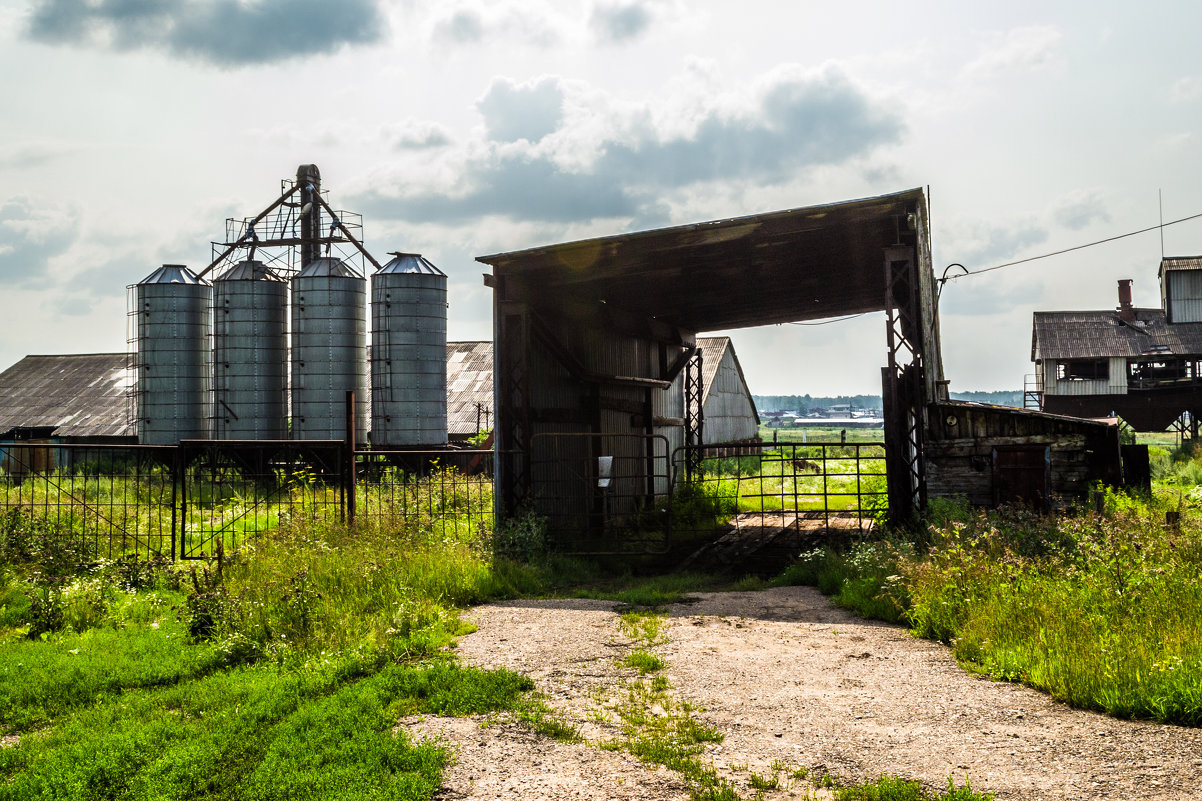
176 483
348 469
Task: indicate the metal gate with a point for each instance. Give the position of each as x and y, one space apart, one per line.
603 493
229 491
814 487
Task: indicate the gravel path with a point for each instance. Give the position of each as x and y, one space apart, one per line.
791 680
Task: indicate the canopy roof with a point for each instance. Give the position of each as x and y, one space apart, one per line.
800 264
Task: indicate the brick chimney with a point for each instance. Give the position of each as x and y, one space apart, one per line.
1126 310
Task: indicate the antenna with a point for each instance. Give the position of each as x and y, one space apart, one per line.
1160 197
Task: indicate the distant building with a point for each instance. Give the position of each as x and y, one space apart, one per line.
1145 364
68 398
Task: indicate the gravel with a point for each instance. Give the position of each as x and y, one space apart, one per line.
792 681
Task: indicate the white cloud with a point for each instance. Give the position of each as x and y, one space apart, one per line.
1081 208
788 122
32 233
527 111
1027 49
1186 89
471 22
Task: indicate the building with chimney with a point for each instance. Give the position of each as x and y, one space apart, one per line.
1141 364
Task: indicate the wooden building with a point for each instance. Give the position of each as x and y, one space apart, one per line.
995 454
1144 365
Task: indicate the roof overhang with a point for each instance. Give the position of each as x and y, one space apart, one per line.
800 264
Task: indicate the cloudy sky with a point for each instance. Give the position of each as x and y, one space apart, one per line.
132 128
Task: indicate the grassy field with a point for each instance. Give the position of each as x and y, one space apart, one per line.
280 670
826 434
1103 612
794 477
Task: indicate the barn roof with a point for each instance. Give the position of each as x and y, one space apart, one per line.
75 395
1098 334
712 350
799 264
1180 263
469 387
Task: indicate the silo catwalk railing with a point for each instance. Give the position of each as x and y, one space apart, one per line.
250 354
409 354
173 309
329 349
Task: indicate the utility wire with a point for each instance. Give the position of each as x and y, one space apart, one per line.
1070 250
835 320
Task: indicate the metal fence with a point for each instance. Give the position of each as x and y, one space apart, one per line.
600 494
199 498
807 487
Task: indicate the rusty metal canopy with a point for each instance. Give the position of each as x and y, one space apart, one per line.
800 264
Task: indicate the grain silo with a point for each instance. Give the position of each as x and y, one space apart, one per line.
329 349
409 354
173 315
250 352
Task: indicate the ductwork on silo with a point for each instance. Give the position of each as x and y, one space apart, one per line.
409 354
329 349
173 311
250 353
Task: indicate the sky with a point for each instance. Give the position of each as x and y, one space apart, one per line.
133 128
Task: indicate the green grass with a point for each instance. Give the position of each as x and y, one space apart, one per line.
1103 613
892 788
255 732
278 672
644 661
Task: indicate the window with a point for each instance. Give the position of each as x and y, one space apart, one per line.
1156 373
1083 370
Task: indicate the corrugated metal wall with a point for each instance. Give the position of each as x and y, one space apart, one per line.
729 415
1184 295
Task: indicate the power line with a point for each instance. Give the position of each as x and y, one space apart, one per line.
1069 250
835 320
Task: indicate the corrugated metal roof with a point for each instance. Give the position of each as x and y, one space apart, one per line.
1181 263
409 263
78 395
1096 334
469 382
798 264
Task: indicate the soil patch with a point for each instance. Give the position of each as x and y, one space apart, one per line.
794 682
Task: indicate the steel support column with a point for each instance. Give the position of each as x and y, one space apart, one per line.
903 383
694 415
511 371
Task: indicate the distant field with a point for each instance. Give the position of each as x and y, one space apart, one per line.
1163 439
820 434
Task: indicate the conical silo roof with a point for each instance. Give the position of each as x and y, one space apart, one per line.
173 274
409 263
250 270
328 267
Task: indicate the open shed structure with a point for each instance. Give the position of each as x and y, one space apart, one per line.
590 334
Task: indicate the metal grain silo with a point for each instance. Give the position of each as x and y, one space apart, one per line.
409 353
173 310
250 354
329 349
